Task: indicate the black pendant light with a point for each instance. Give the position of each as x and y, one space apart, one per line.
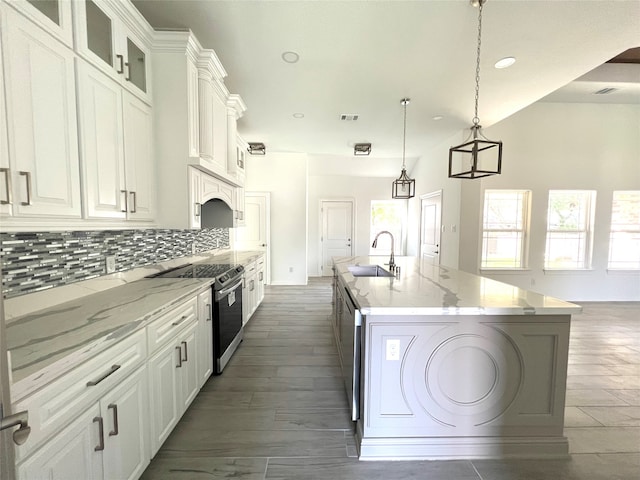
403 186
477 157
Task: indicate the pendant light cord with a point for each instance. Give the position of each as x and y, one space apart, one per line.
476 119
404 131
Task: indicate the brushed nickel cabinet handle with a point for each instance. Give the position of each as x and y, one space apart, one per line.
100 423
208 312
93 383
7 185
182 319
27 176
134 202
186 353
20 420
126 201
179 357
115 431
128 76
121 60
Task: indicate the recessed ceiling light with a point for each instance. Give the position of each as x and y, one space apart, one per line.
505 62
290 57
438 117
298 115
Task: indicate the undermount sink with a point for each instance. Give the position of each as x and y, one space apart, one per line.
368 271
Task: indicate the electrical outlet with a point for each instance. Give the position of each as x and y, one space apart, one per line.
193 248
110 263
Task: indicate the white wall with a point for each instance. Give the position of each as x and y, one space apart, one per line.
562 146
431 174
362 189
285 176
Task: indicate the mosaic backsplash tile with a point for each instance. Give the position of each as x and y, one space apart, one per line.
34 261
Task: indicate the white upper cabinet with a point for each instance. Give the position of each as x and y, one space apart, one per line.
116 148
101 145
42 134
6 192
213 118
111 35
235 153
54 16
139 161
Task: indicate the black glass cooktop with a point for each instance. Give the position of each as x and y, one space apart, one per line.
222 272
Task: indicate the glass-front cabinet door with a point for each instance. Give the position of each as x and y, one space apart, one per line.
108 43
54 16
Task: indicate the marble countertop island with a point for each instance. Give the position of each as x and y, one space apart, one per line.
425 289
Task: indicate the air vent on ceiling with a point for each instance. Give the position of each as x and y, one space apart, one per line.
349 117
604 91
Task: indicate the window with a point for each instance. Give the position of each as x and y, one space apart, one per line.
387 215
569 229
505 227
624 240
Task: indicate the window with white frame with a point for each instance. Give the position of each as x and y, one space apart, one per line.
624 239
569 229
505 224
387 215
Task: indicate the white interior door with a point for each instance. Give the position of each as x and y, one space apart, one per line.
255 234
337 232
430 230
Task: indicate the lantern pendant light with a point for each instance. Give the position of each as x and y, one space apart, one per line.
477 157
403 186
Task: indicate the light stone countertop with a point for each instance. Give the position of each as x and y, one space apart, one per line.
425 289
47 343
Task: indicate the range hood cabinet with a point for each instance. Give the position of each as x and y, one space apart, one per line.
215 213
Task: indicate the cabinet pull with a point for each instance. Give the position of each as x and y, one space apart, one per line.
93 383
208 312
27 176
186 353
179 357
128 76
121 60
182 319
7 185
253 285
197 208
100 423
126 201
134 202
114 407
260 276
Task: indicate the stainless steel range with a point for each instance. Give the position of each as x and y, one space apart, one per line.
227 305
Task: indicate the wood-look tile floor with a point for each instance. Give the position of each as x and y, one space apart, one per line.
279 410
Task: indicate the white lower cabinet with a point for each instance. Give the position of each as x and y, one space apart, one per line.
108 417
107 441
205 337
253 288
173 374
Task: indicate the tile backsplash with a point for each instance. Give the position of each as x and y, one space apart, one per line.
35 261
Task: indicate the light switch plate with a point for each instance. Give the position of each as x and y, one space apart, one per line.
110 263
393 349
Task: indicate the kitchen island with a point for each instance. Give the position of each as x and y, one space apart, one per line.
440 363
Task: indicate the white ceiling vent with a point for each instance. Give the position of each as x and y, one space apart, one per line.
349 117
604 91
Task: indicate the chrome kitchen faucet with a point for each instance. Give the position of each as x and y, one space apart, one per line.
392 260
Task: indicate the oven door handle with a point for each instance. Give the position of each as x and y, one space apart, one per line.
224 292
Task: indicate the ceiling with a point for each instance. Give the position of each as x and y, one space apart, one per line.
363 57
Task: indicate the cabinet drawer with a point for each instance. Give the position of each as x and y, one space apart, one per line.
167 326
60 402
